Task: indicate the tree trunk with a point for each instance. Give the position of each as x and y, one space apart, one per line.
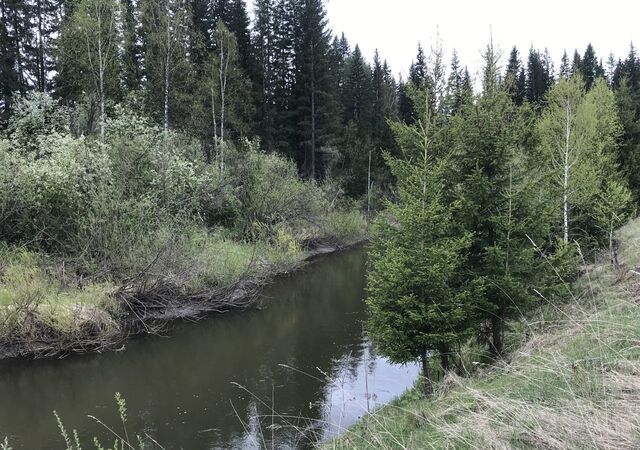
215 123
497 330
41 75
369 185
427 386
313 131
444 360
167 71
565 183
612 249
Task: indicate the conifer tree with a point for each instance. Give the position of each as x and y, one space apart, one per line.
590 68
419 72
264 78
200 32
357 107
437 77
628 101
512 78
131 51
565 67
46 24
311 95
357 99
239 25
491 70
489 142
285 20
539 77
576 65
459 90
417 302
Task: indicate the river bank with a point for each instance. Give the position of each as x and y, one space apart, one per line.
288 375
571 378
47 312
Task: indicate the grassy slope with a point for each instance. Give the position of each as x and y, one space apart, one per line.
573 380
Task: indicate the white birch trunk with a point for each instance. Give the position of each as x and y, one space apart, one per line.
566 168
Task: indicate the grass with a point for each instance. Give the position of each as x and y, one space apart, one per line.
48 306
572 380
29 295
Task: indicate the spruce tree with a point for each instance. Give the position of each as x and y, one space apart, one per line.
131 51
539 76
491 71
240 26
589 67
357 106
418 303
312 98
565 67
264 76
512 79
284 33
419 72
488 142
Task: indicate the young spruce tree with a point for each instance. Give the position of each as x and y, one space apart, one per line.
418 306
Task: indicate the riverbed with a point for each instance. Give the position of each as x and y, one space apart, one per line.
294 372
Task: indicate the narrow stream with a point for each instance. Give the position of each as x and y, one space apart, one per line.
287 376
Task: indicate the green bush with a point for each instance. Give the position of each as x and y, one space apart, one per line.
143 195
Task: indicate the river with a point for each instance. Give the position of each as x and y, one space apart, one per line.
292 373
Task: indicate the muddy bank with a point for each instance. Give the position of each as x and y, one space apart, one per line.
147 308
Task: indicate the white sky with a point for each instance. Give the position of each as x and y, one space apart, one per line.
396 26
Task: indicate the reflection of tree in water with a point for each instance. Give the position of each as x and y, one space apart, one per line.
318 329
180 389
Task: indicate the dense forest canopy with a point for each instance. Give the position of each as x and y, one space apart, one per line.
217 72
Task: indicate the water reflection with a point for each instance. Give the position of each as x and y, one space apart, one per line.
297 371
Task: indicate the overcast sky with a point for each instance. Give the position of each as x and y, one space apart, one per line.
396 26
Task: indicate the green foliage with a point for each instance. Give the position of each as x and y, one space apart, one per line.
418 301
121 438
33 301
271 193
566 361
34 117
143 203
594 188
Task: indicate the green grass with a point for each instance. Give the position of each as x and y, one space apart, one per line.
34 301
572 382
43 300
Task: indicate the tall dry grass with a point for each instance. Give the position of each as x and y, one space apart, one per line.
571 382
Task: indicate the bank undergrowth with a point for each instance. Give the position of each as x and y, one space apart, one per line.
104 237
570 380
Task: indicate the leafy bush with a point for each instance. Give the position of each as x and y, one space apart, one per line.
145 200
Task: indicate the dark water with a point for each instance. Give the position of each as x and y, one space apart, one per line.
291 374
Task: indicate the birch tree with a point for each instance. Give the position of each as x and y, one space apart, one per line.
563 138
227 85
164 23
578 135
94 28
